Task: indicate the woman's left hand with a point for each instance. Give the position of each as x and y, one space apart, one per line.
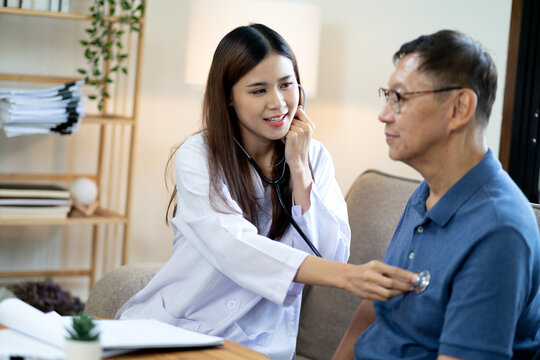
296 154
297 141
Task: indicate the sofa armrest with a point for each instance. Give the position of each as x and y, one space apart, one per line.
118 286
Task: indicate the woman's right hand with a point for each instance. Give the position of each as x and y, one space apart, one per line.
374 280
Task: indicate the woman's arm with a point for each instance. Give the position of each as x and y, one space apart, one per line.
373 280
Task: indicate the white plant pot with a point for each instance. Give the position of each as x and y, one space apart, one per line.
83 350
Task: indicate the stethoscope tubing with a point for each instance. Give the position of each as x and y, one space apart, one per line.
275 185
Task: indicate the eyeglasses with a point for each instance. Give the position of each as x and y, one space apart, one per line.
396 98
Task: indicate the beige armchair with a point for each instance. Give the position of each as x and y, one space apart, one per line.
375 203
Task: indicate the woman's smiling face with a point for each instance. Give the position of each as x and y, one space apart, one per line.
265 100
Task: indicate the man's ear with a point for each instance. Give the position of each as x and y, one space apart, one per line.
464 108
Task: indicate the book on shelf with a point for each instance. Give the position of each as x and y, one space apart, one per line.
41 5
33 201
58 109
34 212
13 3
65 90
27 190
32 333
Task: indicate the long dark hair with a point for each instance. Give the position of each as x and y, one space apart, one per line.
237 53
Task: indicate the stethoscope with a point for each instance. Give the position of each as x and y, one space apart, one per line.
275 184
422 281
424 277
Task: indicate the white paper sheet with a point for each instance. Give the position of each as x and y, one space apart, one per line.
41 336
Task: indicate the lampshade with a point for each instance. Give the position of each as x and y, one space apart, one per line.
211 20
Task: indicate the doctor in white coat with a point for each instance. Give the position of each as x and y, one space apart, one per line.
238 266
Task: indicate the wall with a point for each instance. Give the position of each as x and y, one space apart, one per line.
358 39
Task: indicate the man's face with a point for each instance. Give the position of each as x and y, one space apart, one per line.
418 133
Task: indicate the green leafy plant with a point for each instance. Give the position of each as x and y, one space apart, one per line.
83 328
104 50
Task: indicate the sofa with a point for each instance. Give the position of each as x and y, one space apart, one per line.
375 203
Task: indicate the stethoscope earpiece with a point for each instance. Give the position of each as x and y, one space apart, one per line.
302 97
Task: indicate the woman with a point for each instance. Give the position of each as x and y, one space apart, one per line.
238 265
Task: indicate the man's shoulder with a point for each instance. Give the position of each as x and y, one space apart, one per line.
503 205
506 199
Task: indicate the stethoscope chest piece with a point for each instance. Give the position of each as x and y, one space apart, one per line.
422 282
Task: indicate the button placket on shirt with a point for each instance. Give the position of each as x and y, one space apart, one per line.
417 233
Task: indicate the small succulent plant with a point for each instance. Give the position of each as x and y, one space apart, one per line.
83 328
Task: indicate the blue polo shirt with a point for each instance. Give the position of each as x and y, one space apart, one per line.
481 244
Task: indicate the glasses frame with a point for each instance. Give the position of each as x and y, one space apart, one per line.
396 104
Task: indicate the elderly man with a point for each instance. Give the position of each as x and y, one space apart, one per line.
467 224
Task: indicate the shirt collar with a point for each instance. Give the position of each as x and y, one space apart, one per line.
454 198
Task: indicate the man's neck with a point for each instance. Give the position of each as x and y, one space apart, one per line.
448 168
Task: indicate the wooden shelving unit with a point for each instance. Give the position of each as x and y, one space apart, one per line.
114 166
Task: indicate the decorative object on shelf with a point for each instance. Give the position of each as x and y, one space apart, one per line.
84 192
42 111
83 341
105 43
46 296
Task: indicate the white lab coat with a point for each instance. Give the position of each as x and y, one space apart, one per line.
225 279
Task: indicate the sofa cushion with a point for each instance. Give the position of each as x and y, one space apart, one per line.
375 203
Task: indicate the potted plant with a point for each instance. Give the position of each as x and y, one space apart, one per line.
104 50
82 342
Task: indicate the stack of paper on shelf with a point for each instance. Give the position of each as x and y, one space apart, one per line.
33 201
55 110
36 335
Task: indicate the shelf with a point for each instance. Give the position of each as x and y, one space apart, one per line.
101 216
15 177
38 78
56 15
114 157
45 273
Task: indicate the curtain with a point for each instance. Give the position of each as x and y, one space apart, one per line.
524 160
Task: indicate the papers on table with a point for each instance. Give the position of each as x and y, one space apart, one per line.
32 333
55 110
